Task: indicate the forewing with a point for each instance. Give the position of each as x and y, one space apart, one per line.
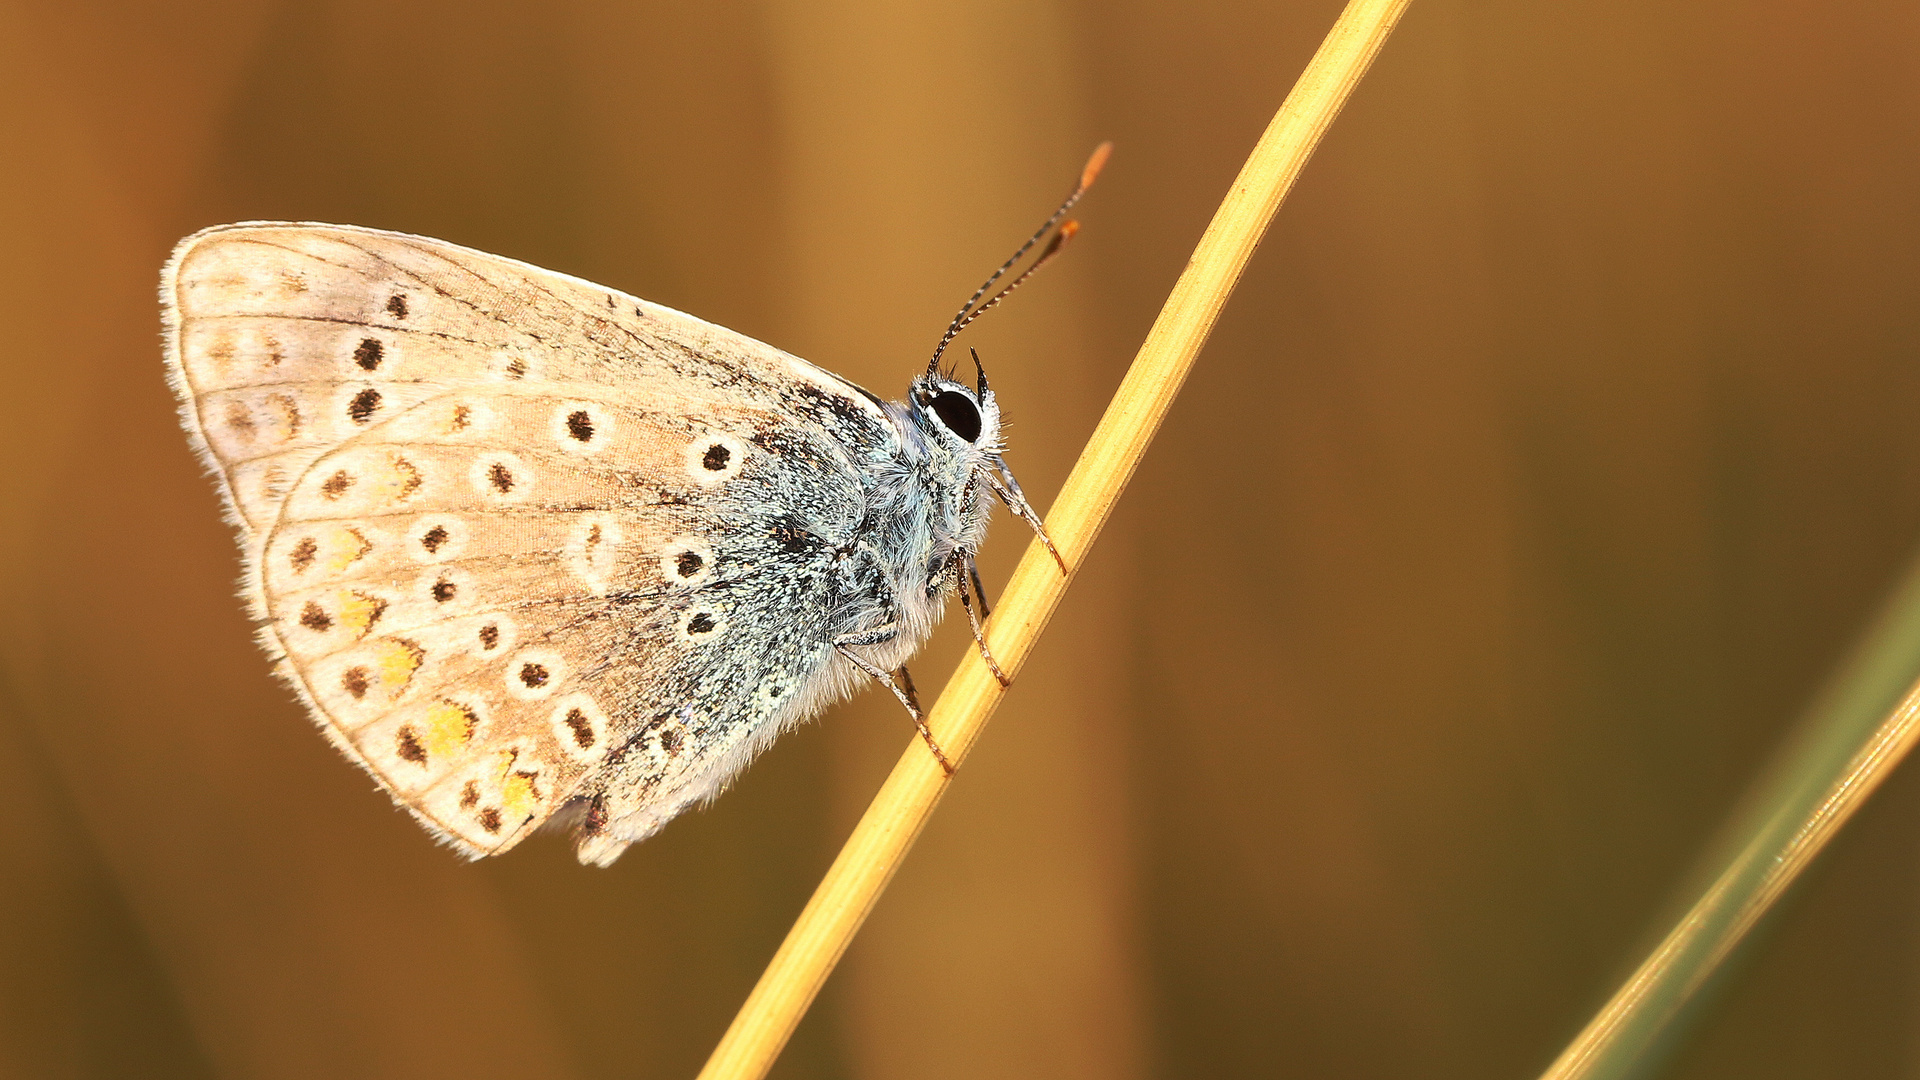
464 485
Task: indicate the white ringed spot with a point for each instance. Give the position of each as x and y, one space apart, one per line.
686 560
359 405
447 591
494 634
582 427
534 674
437 538
500 476
701 625
713 459
580 727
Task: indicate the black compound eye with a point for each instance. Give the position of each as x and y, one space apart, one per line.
957 411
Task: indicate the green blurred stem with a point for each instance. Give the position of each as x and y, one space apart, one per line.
1850 740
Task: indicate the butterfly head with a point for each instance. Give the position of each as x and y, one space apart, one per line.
964 424
962 420
961 425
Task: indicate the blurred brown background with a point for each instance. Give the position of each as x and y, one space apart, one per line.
1558 443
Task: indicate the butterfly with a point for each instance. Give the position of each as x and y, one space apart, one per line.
533 551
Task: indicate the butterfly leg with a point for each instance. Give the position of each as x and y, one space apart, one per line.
1016 500
962 567
905 679
907 697
979 590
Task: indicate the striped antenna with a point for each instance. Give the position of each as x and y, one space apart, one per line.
969 311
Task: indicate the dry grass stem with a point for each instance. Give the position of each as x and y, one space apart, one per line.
1849 743
905 802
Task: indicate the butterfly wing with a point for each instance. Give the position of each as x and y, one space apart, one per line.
519 541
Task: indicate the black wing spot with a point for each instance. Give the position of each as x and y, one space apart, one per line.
397 306
337 484
315 618
363 405
371 352
580 426
407 744
716 457
303 554
581 727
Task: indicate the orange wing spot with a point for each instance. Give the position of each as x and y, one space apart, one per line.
396 659
288 416
346 546
400 479
358 612
449 727
519 797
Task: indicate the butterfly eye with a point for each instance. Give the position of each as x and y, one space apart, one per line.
957 411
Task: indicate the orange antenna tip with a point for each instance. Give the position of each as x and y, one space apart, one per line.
1068 230
1095 163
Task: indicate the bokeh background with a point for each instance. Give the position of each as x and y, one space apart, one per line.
1561 438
